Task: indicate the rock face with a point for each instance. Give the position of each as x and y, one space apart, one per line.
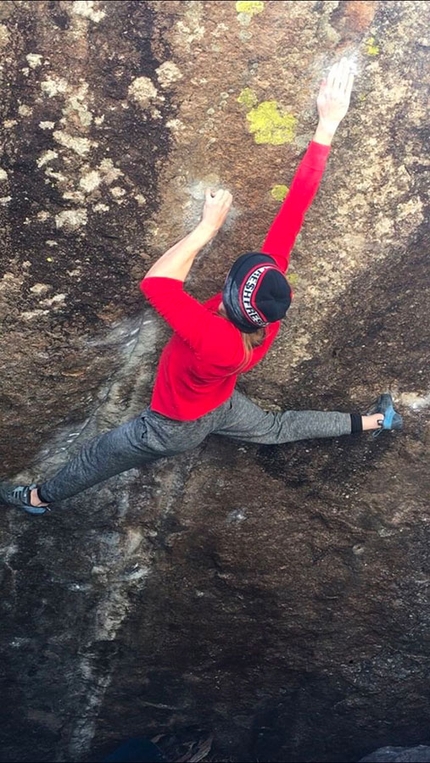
276 598
419 754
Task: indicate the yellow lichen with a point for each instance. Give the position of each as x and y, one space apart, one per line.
279 192
251 7
247 98
293 279
270 125
372 49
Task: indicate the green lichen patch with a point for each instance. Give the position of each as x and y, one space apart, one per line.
252 7
279 192
293 279
269 124
247 98
372 48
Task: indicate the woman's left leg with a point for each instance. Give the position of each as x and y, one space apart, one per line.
100 458
140 441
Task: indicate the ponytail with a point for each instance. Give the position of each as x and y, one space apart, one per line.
250 341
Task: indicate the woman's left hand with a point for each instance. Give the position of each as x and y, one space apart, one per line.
216 208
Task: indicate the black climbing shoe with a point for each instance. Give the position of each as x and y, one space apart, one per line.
20 496
384 405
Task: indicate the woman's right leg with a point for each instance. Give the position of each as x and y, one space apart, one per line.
246 421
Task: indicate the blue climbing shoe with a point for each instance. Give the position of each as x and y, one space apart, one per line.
19 496
384 405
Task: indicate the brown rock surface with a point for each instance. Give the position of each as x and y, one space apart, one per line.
277 598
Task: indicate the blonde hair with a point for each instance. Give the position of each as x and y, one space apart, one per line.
250 341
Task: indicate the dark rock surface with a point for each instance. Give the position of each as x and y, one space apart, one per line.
277 598
419 754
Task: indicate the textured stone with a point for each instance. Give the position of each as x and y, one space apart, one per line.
419 754
276 598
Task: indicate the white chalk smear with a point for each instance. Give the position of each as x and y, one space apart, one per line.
414 401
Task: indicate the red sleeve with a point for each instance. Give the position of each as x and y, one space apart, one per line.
286 225
209 335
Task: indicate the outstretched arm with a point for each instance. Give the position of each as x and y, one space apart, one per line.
332 103
177 261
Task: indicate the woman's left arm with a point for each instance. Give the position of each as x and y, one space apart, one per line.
177 261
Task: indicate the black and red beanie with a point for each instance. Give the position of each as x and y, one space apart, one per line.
256 292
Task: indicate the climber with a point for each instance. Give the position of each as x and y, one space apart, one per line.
194 393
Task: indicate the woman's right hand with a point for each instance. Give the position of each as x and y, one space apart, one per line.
334 95
216 208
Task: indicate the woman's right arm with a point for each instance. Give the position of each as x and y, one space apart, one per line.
332 103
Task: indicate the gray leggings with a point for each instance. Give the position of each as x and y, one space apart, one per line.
151 436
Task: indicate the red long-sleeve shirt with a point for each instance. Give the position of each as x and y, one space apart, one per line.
200 364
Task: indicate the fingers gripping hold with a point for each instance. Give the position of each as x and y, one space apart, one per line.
216 207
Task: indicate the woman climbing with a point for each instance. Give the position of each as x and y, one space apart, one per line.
194 393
